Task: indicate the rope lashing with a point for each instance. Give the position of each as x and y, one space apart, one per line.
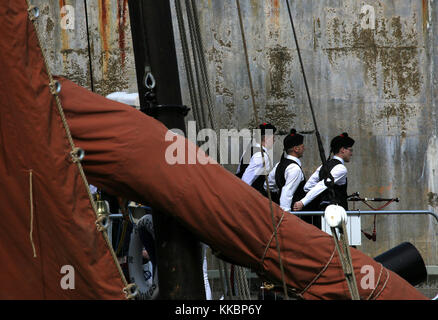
270 240
54 87
378 281
383 286
319 274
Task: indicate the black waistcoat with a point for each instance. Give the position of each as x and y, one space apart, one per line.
340 191
299 194
259 181
280 179
243 166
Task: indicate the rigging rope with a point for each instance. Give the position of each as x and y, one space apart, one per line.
199 86
204 74
194 42
275 226
187 63
89 46
222 276
198 51
243 283
318 137
127 289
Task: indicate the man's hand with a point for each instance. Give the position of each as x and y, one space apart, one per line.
298 206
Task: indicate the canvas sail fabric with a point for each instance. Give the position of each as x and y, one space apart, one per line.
125 154
72 260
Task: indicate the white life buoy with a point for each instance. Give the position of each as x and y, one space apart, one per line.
142 275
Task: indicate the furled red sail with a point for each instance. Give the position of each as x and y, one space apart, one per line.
125 154
49 245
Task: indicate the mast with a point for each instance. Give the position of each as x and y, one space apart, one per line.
178 251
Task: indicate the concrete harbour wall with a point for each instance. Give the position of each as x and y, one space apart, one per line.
370 66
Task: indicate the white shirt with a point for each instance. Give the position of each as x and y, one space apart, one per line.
255 166
314 187
271 180
293 176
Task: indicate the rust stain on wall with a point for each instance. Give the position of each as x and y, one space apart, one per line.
425 11
229 116
255 7
316 32
64 36
280 116
401 111
279 60
122 6
432 199
274 20
216 55
276 7
104 27
113 80
390 56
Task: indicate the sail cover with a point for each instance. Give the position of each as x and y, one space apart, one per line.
126 154
49 245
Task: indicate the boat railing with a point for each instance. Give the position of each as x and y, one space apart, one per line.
350 212
372 212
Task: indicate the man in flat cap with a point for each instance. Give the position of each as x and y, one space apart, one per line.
287 179
317 192
255 171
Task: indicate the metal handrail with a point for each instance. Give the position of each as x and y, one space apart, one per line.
371 212
351 212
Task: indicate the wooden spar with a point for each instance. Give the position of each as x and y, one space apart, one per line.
178 251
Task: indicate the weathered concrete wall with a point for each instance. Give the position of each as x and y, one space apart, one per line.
372 77
66 44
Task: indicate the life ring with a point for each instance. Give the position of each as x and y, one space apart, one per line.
143 275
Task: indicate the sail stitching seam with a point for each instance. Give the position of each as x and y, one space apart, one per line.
31 213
